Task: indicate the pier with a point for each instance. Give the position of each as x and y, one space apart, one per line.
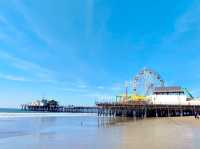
45 105
135 109
68 109
142 110
149 97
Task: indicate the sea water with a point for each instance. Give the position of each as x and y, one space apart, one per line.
87 131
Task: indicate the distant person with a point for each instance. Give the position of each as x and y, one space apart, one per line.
196 115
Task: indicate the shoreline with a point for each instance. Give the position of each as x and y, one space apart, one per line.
43 114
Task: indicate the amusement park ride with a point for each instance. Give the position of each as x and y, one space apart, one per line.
148 85
142 86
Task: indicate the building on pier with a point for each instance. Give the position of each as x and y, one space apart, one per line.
172 95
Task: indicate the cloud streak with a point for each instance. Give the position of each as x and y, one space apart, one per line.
187 22
13 78
23 10
42 74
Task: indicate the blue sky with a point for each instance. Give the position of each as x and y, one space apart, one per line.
77 50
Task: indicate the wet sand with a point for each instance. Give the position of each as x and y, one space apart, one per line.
91 132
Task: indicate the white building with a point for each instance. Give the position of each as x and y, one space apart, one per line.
173 95
37 103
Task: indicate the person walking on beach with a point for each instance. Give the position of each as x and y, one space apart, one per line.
196 115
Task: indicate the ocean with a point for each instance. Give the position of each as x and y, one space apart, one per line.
22 130
11 110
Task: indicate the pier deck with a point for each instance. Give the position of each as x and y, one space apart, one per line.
142 109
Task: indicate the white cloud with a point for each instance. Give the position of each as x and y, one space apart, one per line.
82 86
189 21
40 73
23 10
101 87
13 78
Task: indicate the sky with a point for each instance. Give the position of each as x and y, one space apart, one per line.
81 51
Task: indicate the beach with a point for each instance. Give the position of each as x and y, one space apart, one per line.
85 131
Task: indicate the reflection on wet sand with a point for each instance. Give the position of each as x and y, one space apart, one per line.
100 132
173 132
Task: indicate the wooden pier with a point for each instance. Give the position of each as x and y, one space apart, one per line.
68 109
142 110
134 109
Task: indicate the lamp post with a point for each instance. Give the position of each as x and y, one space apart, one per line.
126 84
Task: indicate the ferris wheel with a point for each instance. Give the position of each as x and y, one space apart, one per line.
145 81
